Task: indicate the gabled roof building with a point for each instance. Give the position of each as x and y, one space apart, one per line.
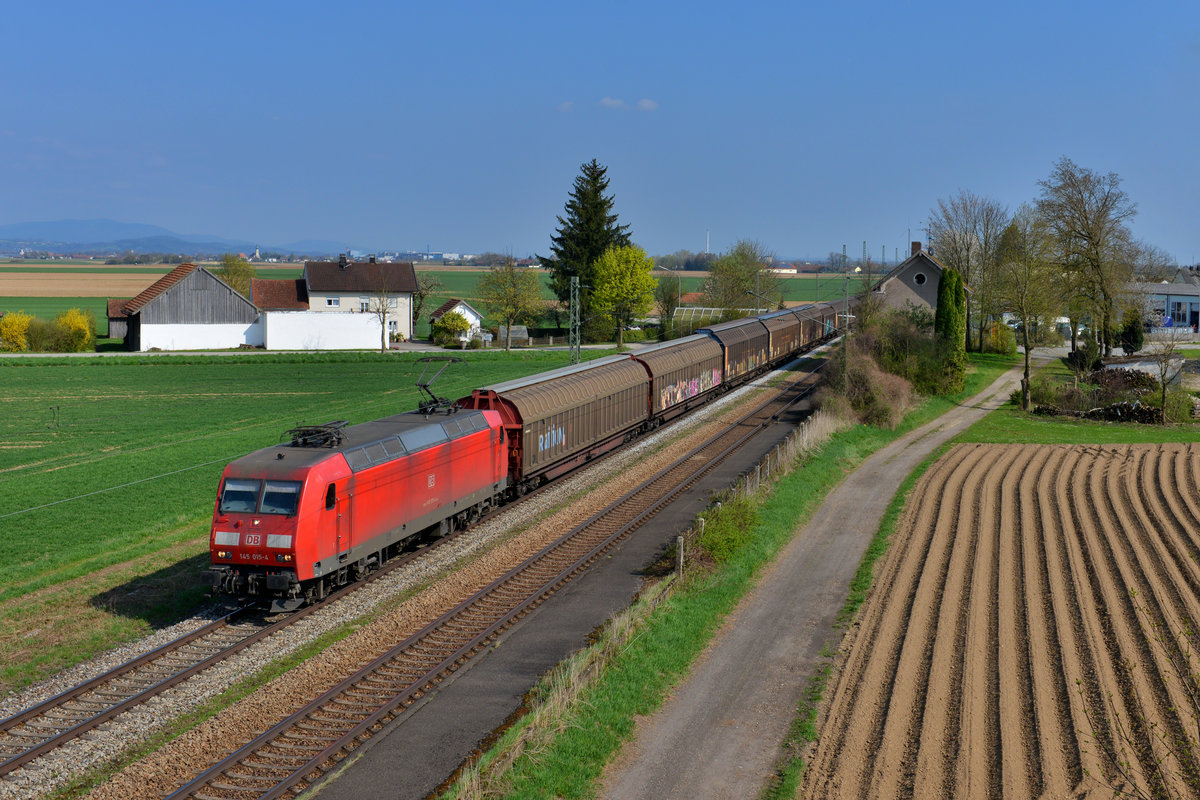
187 308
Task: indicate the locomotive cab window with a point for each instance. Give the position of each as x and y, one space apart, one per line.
331 496
281 497
240 496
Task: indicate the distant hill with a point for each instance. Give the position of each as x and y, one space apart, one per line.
106 236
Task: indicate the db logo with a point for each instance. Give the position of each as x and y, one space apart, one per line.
253 539
429 482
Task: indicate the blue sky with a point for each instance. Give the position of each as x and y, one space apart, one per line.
461 125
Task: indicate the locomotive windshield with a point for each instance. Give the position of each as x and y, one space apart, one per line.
240 496
280 497
246 496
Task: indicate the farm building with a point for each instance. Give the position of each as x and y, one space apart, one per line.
913 282
359 286
189 308
466 310
289 324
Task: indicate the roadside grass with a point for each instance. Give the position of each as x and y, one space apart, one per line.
636 681
109 468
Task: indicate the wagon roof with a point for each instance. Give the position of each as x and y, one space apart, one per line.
561 372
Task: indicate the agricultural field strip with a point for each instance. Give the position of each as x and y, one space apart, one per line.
1018 571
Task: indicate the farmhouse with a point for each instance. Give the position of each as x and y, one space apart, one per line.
358 286
473 317
914 282
189 308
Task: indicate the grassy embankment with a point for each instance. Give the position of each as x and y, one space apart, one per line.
637 678
109 468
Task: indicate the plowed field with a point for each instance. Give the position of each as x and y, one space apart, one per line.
1026 618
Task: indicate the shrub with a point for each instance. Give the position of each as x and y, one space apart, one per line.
633 336
1086 358
901 342
1131 337
1000 338
448 329
728 527
875 397
14 331
74 331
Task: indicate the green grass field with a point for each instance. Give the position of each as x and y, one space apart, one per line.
50 307
109 468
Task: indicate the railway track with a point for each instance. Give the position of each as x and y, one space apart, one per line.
37 730
298 752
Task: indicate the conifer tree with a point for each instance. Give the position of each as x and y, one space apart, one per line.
590 228
950 323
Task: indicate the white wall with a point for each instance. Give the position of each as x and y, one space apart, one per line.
320 330
202 336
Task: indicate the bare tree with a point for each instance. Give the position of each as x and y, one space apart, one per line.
1163 350
1027 276
964 234
428 285
1088 214
383 304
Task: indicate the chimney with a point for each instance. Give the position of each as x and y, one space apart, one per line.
342 261
916 248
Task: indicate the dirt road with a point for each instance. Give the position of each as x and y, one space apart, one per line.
717 736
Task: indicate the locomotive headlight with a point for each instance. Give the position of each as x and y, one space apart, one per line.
223 554
283 557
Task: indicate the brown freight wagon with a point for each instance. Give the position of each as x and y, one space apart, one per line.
746 343
817 321
682 373
784 329
557 420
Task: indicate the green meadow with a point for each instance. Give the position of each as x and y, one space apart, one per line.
109 470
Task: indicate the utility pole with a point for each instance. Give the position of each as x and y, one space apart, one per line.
574 338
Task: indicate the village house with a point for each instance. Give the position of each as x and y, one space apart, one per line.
360 286
473 317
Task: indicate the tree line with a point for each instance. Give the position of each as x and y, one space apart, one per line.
1069 252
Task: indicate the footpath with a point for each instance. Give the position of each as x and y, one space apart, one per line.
718 735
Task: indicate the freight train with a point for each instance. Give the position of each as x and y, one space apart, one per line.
296 520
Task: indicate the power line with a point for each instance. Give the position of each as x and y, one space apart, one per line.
224 459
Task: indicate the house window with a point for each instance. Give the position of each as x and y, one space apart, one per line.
392 326
331 302
919 279
364 305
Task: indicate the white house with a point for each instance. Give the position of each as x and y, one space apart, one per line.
462 307
359 286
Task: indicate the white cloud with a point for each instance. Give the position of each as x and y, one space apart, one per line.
646 104
566 106
612 102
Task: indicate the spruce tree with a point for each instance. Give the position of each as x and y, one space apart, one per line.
590 228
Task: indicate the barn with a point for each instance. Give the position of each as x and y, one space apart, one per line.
189 308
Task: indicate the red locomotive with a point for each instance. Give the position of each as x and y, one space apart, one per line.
294 520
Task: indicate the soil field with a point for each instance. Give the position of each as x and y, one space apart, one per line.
1027 620
73 284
